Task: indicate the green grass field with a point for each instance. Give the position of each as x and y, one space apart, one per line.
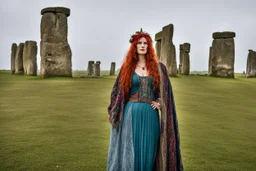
62 123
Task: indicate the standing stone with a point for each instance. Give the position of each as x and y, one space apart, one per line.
158 38
185 68
251 64
179 70
185 59
19 60
222 55
181 57
167 50
13 53
55 51
29 58
186 47
90 67
112 68
96 69
210 62
181 54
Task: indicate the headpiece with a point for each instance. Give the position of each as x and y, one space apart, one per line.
137 34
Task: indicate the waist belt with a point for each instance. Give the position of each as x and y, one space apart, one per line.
134 98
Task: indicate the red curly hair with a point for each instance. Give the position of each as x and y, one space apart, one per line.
130 62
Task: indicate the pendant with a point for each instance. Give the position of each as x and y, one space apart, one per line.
143 68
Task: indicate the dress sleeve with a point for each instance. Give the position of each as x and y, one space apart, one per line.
157 94
115 101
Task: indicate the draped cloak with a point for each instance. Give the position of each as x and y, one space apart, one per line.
169 154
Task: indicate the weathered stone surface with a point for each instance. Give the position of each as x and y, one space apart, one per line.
55 60
181 46
210 62
13 53
184 66
251 64
186 47
98 62
223 57
179 71
158 36
90 68
19 60
56 10
158 49
55 51
96 69
181 55
54 28
168 53
223 35
29 58
112 68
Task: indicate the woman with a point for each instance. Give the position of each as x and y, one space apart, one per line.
142 88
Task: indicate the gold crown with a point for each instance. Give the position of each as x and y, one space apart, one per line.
138 33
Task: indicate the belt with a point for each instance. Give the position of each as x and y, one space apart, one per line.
134 98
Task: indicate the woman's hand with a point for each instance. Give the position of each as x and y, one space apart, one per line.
155 105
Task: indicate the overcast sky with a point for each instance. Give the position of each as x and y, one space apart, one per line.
100 30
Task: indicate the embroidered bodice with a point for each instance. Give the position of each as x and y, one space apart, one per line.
143 85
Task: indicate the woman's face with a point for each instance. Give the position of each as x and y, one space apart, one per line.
142 46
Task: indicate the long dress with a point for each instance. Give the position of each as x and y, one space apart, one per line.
136 139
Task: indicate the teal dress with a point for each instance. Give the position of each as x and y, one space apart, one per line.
134 129
133 146
145 123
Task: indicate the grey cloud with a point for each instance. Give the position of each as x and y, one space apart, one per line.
100 30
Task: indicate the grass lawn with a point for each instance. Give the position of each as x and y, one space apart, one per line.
62 123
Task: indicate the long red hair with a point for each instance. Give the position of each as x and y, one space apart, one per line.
130 62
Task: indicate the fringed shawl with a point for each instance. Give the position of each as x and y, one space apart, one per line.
169 154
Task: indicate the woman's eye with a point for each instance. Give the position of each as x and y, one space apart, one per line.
139 43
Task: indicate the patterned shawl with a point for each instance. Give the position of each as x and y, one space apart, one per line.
169 154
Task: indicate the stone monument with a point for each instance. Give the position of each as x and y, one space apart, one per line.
55 51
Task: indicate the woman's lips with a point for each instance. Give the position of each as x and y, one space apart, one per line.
142 49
